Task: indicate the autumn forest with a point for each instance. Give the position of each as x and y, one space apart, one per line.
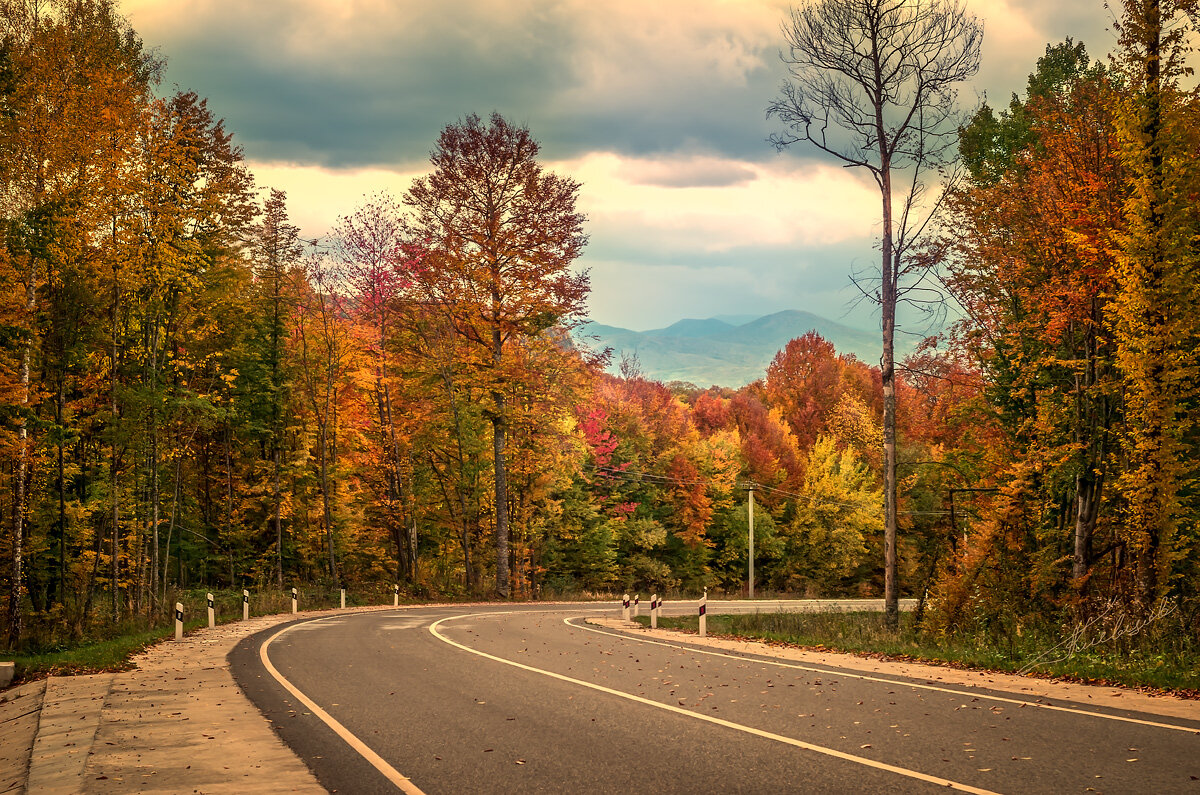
194 396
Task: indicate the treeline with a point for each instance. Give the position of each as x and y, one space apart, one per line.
1074 255
192 395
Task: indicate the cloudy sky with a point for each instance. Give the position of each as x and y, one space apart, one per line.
656 106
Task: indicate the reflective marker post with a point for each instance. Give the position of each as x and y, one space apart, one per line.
212 612
704 614
343 598
636 606
179 621
653 611
245 605
293 600
625 607
395 595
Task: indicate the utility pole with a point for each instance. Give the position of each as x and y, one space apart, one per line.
749 487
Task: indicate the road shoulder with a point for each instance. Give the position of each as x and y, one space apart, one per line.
20 708
1022 686
177 723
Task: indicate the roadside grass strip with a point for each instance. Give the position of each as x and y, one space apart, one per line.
820 749
897 682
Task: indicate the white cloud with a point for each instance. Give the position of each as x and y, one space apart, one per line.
318 196
778 203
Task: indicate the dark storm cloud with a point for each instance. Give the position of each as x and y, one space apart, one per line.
352 90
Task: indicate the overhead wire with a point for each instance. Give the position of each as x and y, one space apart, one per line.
648 477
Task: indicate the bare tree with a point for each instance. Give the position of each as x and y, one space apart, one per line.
871 83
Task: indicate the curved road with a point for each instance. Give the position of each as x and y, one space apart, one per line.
534 699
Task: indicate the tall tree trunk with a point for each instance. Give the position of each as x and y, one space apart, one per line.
154 551
16 617
327 509
412 518
499 432
113 462
395 493
887 363
62 528
1088 488
500 464
229 504
61 567
171 530
1159 487
275 488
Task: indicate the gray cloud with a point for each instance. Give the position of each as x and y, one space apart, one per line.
363 91
677 172
333 85
680 86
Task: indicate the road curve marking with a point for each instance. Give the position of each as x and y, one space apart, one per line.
376 761
820 749
901 683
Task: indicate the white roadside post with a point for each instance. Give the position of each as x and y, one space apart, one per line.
179 621
636 605
704 614
245 605
625 607
343 598
212 612
294 600
395 594
654 611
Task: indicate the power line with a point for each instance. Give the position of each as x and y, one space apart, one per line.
662 480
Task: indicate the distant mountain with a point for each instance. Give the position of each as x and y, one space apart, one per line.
693 328
727 351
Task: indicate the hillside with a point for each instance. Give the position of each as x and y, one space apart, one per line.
723 351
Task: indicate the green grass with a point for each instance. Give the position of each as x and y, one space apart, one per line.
112 654
1161 664
51 650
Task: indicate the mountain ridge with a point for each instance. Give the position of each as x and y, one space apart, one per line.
713 351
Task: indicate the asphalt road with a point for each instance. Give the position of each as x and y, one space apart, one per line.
532 699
